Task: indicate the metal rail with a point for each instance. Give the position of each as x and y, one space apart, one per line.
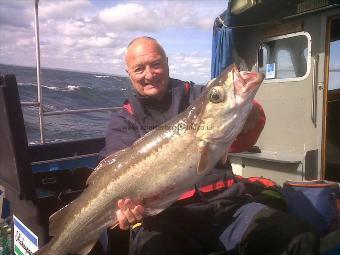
314 90
80 111
37 48
36 104
70 111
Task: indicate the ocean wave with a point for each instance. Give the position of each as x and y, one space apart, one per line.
74 87
26 84
51 88
101 76
69 87
64 90
120 79
36 85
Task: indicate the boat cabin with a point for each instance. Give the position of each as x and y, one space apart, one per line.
295 43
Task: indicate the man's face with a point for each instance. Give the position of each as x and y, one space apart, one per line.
148 68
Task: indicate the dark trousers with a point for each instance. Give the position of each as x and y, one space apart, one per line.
223 227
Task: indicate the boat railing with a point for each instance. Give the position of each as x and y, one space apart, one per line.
39 103
44 113
49 113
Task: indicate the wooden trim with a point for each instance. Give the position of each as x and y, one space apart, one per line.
284 28
334 95
326 96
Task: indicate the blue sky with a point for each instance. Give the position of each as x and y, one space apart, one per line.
91 35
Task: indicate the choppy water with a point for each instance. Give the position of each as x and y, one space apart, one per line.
64 90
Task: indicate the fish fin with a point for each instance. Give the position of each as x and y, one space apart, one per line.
205 151
108 161
86 248
93 177
56 220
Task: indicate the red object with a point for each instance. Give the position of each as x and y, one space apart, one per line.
127 106
246 140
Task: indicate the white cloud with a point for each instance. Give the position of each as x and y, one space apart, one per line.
79 35
96 42
156 15
16 13
122 12
116 61
67 41
25 42
119 51
130 17
190 66
74 28
205 23
63 9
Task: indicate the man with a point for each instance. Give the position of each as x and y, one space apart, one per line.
211 218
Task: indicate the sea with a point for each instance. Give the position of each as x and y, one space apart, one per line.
64 90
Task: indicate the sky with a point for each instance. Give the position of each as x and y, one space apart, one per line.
92 35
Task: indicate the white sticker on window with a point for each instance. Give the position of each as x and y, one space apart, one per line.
270 71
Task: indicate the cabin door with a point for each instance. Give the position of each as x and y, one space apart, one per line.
331 136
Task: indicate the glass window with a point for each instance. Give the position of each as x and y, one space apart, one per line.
286 57
334 66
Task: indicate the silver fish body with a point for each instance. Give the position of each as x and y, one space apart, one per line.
158 167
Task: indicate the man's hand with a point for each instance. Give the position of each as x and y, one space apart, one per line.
129 213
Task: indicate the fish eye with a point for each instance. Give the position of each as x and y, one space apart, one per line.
216 95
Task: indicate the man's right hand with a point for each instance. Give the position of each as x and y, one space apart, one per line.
129 213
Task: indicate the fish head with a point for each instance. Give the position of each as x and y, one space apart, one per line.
226 104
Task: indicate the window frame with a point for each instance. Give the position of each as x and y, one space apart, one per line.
309 56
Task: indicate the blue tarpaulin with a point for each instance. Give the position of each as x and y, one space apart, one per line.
221 50
222 44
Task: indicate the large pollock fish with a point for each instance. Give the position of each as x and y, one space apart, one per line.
158 167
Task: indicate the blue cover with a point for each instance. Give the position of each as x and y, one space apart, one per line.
314 202
66 164
222 44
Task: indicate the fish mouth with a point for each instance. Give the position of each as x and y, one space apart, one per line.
246 82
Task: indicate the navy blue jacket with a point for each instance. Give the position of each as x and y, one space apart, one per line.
140 115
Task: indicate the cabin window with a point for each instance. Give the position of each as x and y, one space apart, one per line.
334 66
286 57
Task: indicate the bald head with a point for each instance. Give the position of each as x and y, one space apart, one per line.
140 42
147 66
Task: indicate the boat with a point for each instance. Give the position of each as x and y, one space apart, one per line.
295 43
